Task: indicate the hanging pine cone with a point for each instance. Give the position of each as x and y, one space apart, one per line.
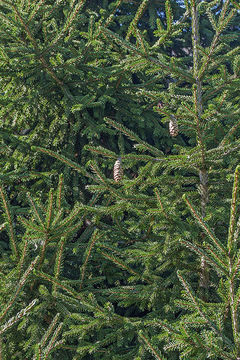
173 126
117 170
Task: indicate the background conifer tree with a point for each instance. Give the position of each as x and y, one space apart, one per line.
57 84
142 218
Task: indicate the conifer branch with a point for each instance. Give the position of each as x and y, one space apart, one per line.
67 25
205 227
123 266
37 212
137 16
12 235
212 260
212 325
58 261
234 313
24 252
56 282
93 240
170 68
217 89
19 287
140 40
139 157
43 250
215 255
231 253
130 134
160 202
119 263
58 218
228 135
72 292
101 151
235 267
43 61
211 18
169 15
197 95
110 248
237 6
34 13
236 300
40 346
52 341
31 225
108 187
64 160
166 326
197 98
59 192
235 196
69 219
111 16
49 213
220 27
1 348
111 155
150 347
70 230
38 353
17 317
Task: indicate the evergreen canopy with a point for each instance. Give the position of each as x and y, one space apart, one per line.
119 229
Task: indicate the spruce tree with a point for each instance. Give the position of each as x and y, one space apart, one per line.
109 270
142 216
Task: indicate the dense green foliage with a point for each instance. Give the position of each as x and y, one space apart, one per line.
119 235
